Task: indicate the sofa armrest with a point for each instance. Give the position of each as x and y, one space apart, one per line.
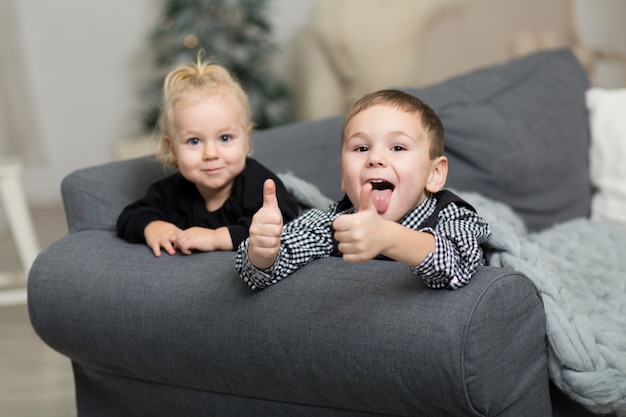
369 337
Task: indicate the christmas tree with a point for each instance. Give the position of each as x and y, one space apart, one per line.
234 34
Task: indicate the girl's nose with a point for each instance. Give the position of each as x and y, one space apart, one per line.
209 151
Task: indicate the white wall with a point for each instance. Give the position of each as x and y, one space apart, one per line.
86 61
287 17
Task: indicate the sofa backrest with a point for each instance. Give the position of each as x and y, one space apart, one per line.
93 197
309 150
517 133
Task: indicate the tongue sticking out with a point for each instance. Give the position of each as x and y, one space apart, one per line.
380 198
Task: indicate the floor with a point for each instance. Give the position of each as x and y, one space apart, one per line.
35 381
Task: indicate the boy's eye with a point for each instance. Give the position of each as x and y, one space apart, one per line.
225 138
361 148
398 148
193 141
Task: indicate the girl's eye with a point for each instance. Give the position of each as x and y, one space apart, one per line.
361 149
225 138
398 148
193 141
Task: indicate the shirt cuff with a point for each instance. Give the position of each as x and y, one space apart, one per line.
256 278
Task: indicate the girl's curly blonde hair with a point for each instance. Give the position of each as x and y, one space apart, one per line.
192 82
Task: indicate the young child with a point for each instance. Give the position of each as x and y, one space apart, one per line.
393 171
205 127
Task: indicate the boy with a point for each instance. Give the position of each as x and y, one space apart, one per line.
393 171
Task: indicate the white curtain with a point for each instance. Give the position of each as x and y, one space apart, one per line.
19 132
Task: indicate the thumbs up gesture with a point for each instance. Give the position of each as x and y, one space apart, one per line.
360 234
265 229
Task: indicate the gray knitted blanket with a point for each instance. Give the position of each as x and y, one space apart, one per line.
579 268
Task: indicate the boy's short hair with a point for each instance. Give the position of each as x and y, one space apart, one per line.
407 103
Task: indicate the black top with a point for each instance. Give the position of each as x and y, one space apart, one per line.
177 200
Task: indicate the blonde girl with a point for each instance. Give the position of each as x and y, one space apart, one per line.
205 126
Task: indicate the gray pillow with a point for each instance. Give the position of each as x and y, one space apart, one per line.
519 133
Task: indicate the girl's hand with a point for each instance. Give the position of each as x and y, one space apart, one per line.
203 239
160 234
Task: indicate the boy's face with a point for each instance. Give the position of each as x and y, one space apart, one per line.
388 148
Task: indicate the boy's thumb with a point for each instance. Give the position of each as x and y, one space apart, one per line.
269 194
365 199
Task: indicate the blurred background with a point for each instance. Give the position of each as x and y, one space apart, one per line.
80 85
77 78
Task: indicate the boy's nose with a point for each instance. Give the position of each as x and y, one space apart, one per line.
375 159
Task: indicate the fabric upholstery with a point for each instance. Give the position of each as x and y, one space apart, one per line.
519 133
335 335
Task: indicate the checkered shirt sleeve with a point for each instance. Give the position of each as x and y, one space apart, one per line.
458 237
304 239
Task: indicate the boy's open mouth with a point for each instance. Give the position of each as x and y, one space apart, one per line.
381 194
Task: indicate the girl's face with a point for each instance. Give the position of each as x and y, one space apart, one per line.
210 145
389 148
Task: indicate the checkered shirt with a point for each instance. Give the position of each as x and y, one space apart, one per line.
458 234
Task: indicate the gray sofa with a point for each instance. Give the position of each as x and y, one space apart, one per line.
185 336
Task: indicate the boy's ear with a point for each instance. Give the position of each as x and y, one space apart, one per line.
438 174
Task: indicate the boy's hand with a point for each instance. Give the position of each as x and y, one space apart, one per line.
160 234
360 234
265 229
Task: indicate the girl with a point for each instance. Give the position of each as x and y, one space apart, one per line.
205 128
